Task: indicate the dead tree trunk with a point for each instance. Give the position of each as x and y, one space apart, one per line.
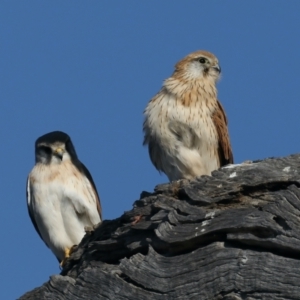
235 235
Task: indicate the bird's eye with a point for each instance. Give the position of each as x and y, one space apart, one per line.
202 60
45 149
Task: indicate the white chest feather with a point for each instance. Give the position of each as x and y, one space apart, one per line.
196 116
181 160
62 201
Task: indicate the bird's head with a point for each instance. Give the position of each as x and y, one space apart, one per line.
198 65
53 148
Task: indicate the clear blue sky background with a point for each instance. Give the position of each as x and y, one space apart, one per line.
89 68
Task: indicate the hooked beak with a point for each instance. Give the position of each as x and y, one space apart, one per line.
217 68
59 152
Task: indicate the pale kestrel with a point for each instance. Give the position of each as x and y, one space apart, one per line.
61 196
185 125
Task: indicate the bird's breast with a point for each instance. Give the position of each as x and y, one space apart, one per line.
53 184
197 115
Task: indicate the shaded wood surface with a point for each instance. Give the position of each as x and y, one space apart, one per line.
235 235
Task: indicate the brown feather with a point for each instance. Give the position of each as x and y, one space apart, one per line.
220 121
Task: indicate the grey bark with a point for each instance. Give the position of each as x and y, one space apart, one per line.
234 235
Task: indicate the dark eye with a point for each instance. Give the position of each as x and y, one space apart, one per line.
202 60
45 149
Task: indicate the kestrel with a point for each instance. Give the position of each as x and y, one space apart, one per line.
61 195
185 125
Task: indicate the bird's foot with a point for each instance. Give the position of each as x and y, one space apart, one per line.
68 252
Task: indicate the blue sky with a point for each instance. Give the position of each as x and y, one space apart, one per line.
89 69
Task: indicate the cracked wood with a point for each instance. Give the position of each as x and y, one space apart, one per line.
235 235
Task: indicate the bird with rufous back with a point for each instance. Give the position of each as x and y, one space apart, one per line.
185 125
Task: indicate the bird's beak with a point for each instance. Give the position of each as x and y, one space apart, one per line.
217 68
59 152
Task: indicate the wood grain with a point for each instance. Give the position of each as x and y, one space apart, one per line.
235 235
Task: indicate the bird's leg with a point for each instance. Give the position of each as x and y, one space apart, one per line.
67 255
68 252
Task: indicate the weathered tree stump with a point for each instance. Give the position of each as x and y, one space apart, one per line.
235 235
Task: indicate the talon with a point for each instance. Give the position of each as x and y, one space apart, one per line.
136 219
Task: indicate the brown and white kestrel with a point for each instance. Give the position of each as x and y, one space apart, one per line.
185 125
